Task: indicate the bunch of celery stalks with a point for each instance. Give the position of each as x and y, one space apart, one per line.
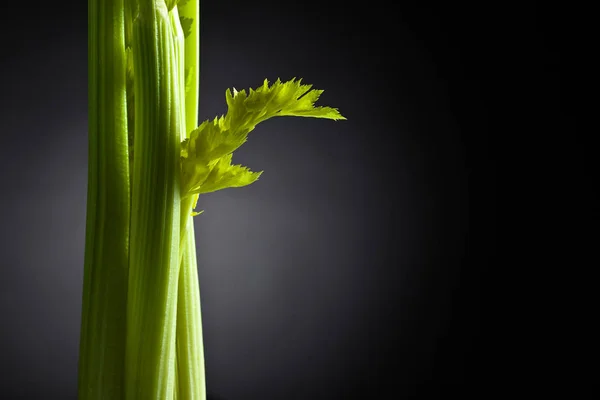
141 331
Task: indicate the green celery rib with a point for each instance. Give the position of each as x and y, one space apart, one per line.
190 351
130 9
191 11
102 340
155 231
190 348
179 49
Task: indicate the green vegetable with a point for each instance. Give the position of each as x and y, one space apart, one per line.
141 332
206 154
155 211
104 303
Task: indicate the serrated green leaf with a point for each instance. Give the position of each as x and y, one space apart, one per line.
206 155
224 175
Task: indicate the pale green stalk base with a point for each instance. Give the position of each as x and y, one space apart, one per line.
190 351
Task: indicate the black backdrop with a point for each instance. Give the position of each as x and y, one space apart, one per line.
350 270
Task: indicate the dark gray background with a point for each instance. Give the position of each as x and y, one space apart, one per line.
350 269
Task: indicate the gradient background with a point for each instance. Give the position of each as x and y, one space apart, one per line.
350 270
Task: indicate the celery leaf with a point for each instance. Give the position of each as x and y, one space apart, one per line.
206 154
225 175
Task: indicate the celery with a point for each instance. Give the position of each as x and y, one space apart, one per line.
189 12
141 332
155 235
102 344
190 350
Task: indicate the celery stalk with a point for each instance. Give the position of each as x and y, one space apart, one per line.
102 337
190 351
141 331
190 15
190 347
155 218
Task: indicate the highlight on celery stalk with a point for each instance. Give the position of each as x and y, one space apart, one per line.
141 329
